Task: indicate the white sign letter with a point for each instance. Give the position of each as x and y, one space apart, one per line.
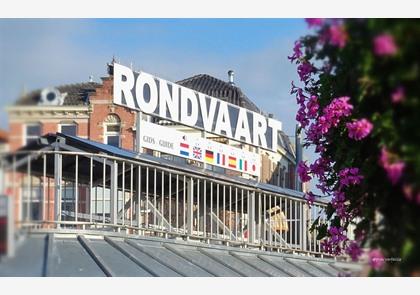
242 127
208 117
260 127
186 118
165 99
125 86
146 106
275 127
223 120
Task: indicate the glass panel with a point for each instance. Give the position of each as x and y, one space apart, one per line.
113 140
33 130
69 129
113 128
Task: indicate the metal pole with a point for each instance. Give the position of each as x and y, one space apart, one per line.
57 186
114 193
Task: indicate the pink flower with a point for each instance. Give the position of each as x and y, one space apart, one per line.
384 45
398 95
314 22
376 259
354 250
297 53
304 71
350 176
393 167
359 129
395 171
303 172
309 197
338 35
312 107
338 108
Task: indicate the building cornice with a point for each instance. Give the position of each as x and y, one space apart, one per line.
56 112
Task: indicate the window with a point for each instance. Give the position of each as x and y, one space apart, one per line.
69 129
112 130
32 132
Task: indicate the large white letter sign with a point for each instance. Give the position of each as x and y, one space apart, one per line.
146 80
187 95
223 120
275 127
168 101
207 115
123 83
259 128
242 127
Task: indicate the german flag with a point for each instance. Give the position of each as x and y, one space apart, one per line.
232 162
209 156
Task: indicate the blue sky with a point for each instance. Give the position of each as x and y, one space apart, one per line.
40 53
36 53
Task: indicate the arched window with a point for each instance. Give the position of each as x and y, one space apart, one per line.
112 130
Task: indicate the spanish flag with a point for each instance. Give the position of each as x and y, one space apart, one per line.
232 162
209 156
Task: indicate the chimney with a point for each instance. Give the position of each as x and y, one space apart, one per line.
231 73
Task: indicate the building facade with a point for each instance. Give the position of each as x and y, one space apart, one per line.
87 110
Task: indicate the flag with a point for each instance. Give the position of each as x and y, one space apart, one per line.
197 153
232 162
184 149
209 156
240 164
220 159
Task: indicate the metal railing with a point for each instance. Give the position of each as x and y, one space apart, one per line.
62 189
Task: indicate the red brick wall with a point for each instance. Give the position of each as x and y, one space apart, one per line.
102 106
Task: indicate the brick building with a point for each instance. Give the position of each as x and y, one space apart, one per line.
87 111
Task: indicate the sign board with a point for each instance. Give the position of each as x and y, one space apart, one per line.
173 142
158 97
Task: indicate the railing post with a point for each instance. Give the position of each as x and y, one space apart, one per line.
57 186
190 203
114 192
251 217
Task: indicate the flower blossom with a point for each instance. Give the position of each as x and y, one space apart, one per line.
303 172
393 167
335 242
312 107
384 45
350 176
337 35
338 203
353 249
398 95
304 71
376 259
314 22
310 198
359 129
297 52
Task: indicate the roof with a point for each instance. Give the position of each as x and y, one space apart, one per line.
77 94
98 254
220 89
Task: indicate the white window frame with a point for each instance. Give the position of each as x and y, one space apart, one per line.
112 133
25 135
